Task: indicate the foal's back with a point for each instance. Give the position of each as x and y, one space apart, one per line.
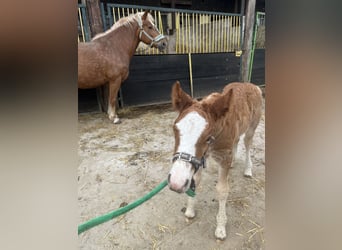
244 107
245 104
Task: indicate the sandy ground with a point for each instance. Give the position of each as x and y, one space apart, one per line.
120 163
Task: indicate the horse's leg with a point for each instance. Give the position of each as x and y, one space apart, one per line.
248 142
234 151
190 208
114 87
222 193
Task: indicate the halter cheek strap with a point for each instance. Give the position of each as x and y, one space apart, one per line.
153 40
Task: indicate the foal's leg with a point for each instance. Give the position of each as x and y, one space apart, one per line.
234 151
190 208
222 190
248 142
114 87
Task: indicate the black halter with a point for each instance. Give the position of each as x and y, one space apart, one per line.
196 163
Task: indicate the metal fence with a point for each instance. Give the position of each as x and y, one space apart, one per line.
194 31
83 24
258 38
207 33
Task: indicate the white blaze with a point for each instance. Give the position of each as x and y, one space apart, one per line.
190 129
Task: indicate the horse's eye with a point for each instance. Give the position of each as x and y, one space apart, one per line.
150 27
210 139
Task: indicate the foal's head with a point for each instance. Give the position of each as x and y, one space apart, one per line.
192 131
148 33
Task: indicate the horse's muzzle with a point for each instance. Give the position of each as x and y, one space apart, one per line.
177 187
162 44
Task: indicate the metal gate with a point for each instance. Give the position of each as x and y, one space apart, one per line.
256 72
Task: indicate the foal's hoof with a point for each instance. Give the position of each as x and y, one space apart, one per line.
220 233
248 173
116 120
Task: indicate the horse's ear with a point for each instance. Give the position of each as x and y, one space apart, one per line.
221 105
180 99
145 15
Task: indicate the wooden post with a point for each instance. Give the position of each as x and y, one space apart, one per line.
247 43
96 27
94 14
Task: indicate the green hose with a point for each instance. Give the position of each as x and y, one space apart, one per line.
106 217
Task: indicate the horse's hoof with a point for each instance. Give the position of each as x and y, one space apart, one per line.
116 120
248 173
220 233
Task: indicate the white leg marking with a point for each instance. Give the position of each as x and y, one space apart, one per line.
248 161
116 119
110 112
221 218
190 209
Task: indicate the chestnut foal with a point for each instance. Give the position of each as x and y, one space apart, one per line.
212 126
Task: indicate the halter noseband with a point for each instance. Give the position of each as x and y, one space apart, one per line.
197 163
153 40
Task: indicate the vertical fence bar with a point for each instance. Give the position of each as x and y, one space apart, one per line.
85 24
200 34
225 35
220 34
183 35
193 33
177 31
190 75
81 25
216 34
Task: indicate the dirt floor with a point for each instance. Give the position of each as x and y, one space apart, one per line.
120 163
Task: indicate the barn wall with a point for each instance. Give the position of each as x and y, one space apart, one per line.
152 84
258 70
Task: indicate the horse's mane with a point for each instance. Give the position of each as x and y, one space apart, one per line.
127 21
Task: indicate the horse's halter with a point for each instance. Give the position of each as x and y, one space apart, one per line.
153 40
196 163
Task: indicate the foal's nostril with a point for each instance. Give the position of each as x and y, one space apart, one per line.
168 178
186 182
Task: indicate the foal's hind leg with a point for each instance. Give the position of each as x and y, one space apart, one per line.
114 87
248 142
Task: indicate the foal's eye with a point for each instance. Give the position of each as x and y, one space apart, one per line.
150 27
210 139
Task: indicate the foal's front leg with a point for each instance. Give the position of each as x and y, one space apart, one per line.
222 190
114 87
190 209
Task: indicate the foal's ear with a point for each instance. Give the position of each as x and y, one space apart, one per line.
145 15
221 105
180 99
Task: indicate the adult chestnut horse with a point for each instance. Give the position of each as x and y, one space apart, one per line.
212 126
106 58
